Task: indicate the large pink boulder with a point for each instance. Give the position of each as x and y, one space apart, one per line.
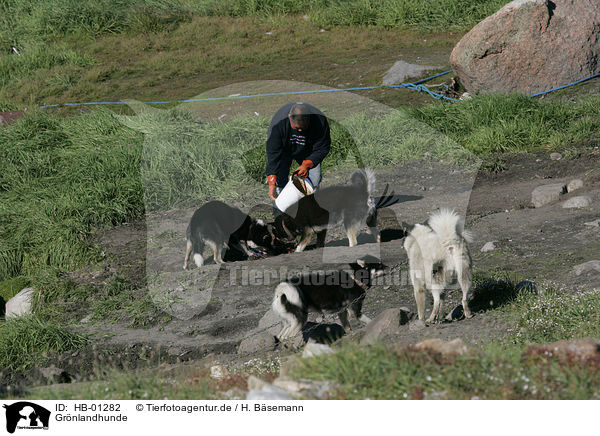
530 46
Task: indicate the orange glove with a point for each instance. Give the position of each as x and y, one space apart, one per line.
302 170
272 186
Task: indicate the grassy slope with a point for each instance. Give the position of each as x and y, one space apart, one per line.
63 50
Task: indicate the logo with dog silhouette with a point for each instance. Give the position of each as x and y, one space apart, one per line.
26 415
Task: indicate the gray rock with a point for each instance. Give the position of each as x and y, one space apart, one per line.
255 383
555 156
401 71
270 322
416 325
592 265
263 341
314 349
386 323
530 46
269 392
545 194
595 223
575 202
307 389
489 246
20 304
218 372
574 185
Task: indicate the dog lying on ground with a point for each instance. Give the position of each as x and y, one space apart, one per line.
222 227
437 251
338 291
352 205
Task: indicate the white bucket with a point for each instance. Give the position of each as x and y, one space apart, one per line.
293 191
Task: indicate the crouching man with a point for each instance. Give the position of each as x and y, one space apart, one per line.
298 132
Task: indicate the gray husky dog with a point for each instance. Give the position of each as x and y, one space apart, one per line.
351 205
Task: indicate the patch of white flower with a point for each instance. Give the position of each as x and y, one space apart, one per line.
556 314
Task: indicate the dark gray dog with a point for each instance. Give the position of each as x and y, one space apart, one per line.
221 226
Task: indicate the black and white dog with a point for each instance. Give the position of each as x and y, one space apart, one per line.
221 226
351 205
337 291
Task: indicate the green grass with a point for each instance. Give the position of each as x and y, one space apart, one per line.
67 51
29 341
379 372
557 315
496 371
11 287
23 20
513 123
59 180
132 386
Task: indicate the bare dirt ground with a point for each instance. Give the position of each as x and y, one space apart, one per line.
539 244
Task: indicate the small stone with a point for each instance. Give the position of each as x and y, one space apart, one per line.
386 323
314 349
86 319
574 185
217 371
270 322
489 246
593 223
545 194
592 265
402 70
416 325
269 392
263 341
290 385
555 156
577 202
20 304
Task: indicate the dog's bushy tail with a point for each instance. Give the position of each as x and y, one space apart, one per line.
448 225
364 177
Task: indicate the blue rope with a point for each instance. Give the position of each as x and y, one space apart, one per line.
415 86
235 97
565 86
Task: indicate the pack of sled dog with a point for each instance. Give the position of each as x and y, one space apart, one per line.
437 250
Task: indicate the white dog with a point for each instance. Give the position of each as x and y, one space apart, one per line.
438 252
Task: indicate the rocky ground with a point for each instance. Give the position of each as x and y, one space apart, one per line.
222 314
